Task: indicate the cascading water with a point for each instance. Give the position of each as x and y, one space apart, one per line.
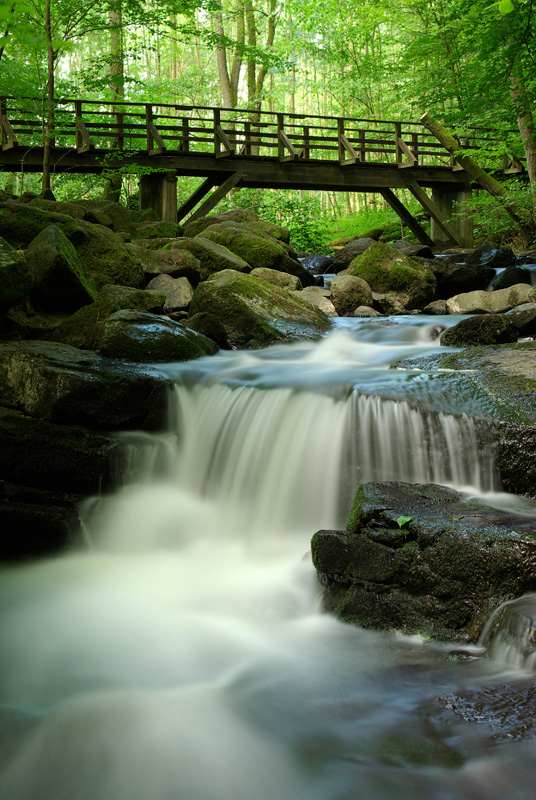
184 656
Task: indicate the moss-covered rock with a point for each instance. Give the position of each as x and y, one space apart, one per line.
278 232
107 259
196 227
60 281
255 313
423 559
349 292
496 302
75 210
210 326
211 256
321 298
20 223
154 230
387 270
480 329
16 280
175 263
26 323
85 328
178 292
281 279
141 337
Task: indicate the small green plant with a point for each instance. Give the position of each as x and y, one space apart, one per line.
401 521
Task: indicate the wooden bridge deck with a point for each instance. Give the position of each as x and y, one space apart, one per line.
233 147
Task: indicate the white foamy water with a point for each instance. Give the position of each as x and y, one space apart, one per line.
184 655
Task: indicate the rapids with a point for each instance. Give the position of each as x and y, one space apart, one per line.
183 655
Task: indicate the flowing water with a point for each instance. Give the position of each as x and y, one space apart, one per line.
183 654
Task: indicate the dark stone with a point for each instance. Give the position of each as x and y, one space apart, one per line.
318 264
424 559
16 280
210 326
480 329
524 319
344 257
413 250
510 277
59 383
21 222
491 255
454 278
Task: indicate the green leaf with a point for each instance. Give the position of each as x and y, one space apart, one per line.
401 521
506 6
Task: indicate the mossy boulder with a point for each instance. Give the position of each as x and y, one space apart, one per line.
20 223
75 210
349 292
154 230
145 215
85 328
26 323
175 263
255 313
257 249
60 280
424 559
480 329
321 298
387 270
211 256
210 326
197 226
278 232
142 337
16 280
107 259
345 255
281 279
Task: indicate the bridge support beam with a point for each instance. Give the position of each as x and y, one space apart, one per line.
159 192
450 203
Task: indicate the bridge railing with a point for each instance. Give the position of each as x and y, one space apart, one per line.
91 125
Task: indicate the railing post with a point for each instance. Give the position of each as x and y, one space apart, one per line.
398 136
77 120
340 134
280 130
185 140
415 144
247 136
306 142
148 123
119 118
362 146
3 115
217 123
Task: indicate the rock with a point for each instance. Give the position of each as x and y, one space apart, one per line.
210 326
152 230
491 302
147 215
389 303
365 311
142 337
281 279
16 280
524 319
178 292
174 263
424 559
75 210
455 278
318 297
344 257
196 227
387 271
348 292
510 276
318 264
62 384
278 232
412 250
85 328
436 307
157 243
529 257
20 223
257 250
491 255
480 329
29 324
255 313
60 282
107 259
211 256
119 216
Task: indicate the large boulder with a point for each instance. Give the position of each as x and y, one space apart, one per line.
491 302
210 326
349 292
142 337
281 279
20 223
85 328
178 292
157 230
175 263
255 313
257 249
74 209
344 257
196 227
65 385
60 280
510 276
321 298
16 280
211 256
387 270
523 317
453 277
491 255
480 329
318 263
413 250
106 257
424 559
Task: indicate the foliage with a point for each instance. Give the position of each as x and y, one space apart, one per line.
491 221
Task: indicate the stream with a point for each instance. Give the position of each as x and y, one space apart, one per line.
182 654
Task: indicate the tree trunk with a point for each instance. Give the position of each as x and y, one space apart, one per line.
49 126
493 187
221 61
112 186
525 122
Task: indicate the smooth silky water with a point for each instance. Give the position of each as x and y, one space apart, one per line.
183 654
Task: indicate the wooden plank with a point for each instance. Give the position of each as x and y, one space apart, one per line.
407 218
157 138
431 208
9 139
216 196
195 198
222 137
402 147
285 143
346 146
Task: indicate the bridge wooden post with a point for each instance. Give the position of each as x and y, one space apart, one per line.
159 192
450 203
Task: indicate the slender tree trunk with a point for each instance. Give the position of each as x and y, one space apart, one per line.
525 122
49 127
112 187
236 66
221 61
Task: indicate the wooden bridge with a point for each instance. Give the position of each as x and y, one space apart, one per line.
243 148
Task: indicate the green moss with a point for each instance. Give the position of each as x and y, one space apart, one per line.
107 258
356 512
387 270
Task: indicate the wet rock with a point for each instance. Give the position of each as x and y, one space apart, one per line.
480 329
387 271
413 250
142 337
318 297
210 326
436 307
255 313
318 264
65 385
456 278
344 257
491 255
524 319
389 303
365 311
281 279
60 280
510 276
349 292
424 559
178 292
16 280
211 256
491 302
175 263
